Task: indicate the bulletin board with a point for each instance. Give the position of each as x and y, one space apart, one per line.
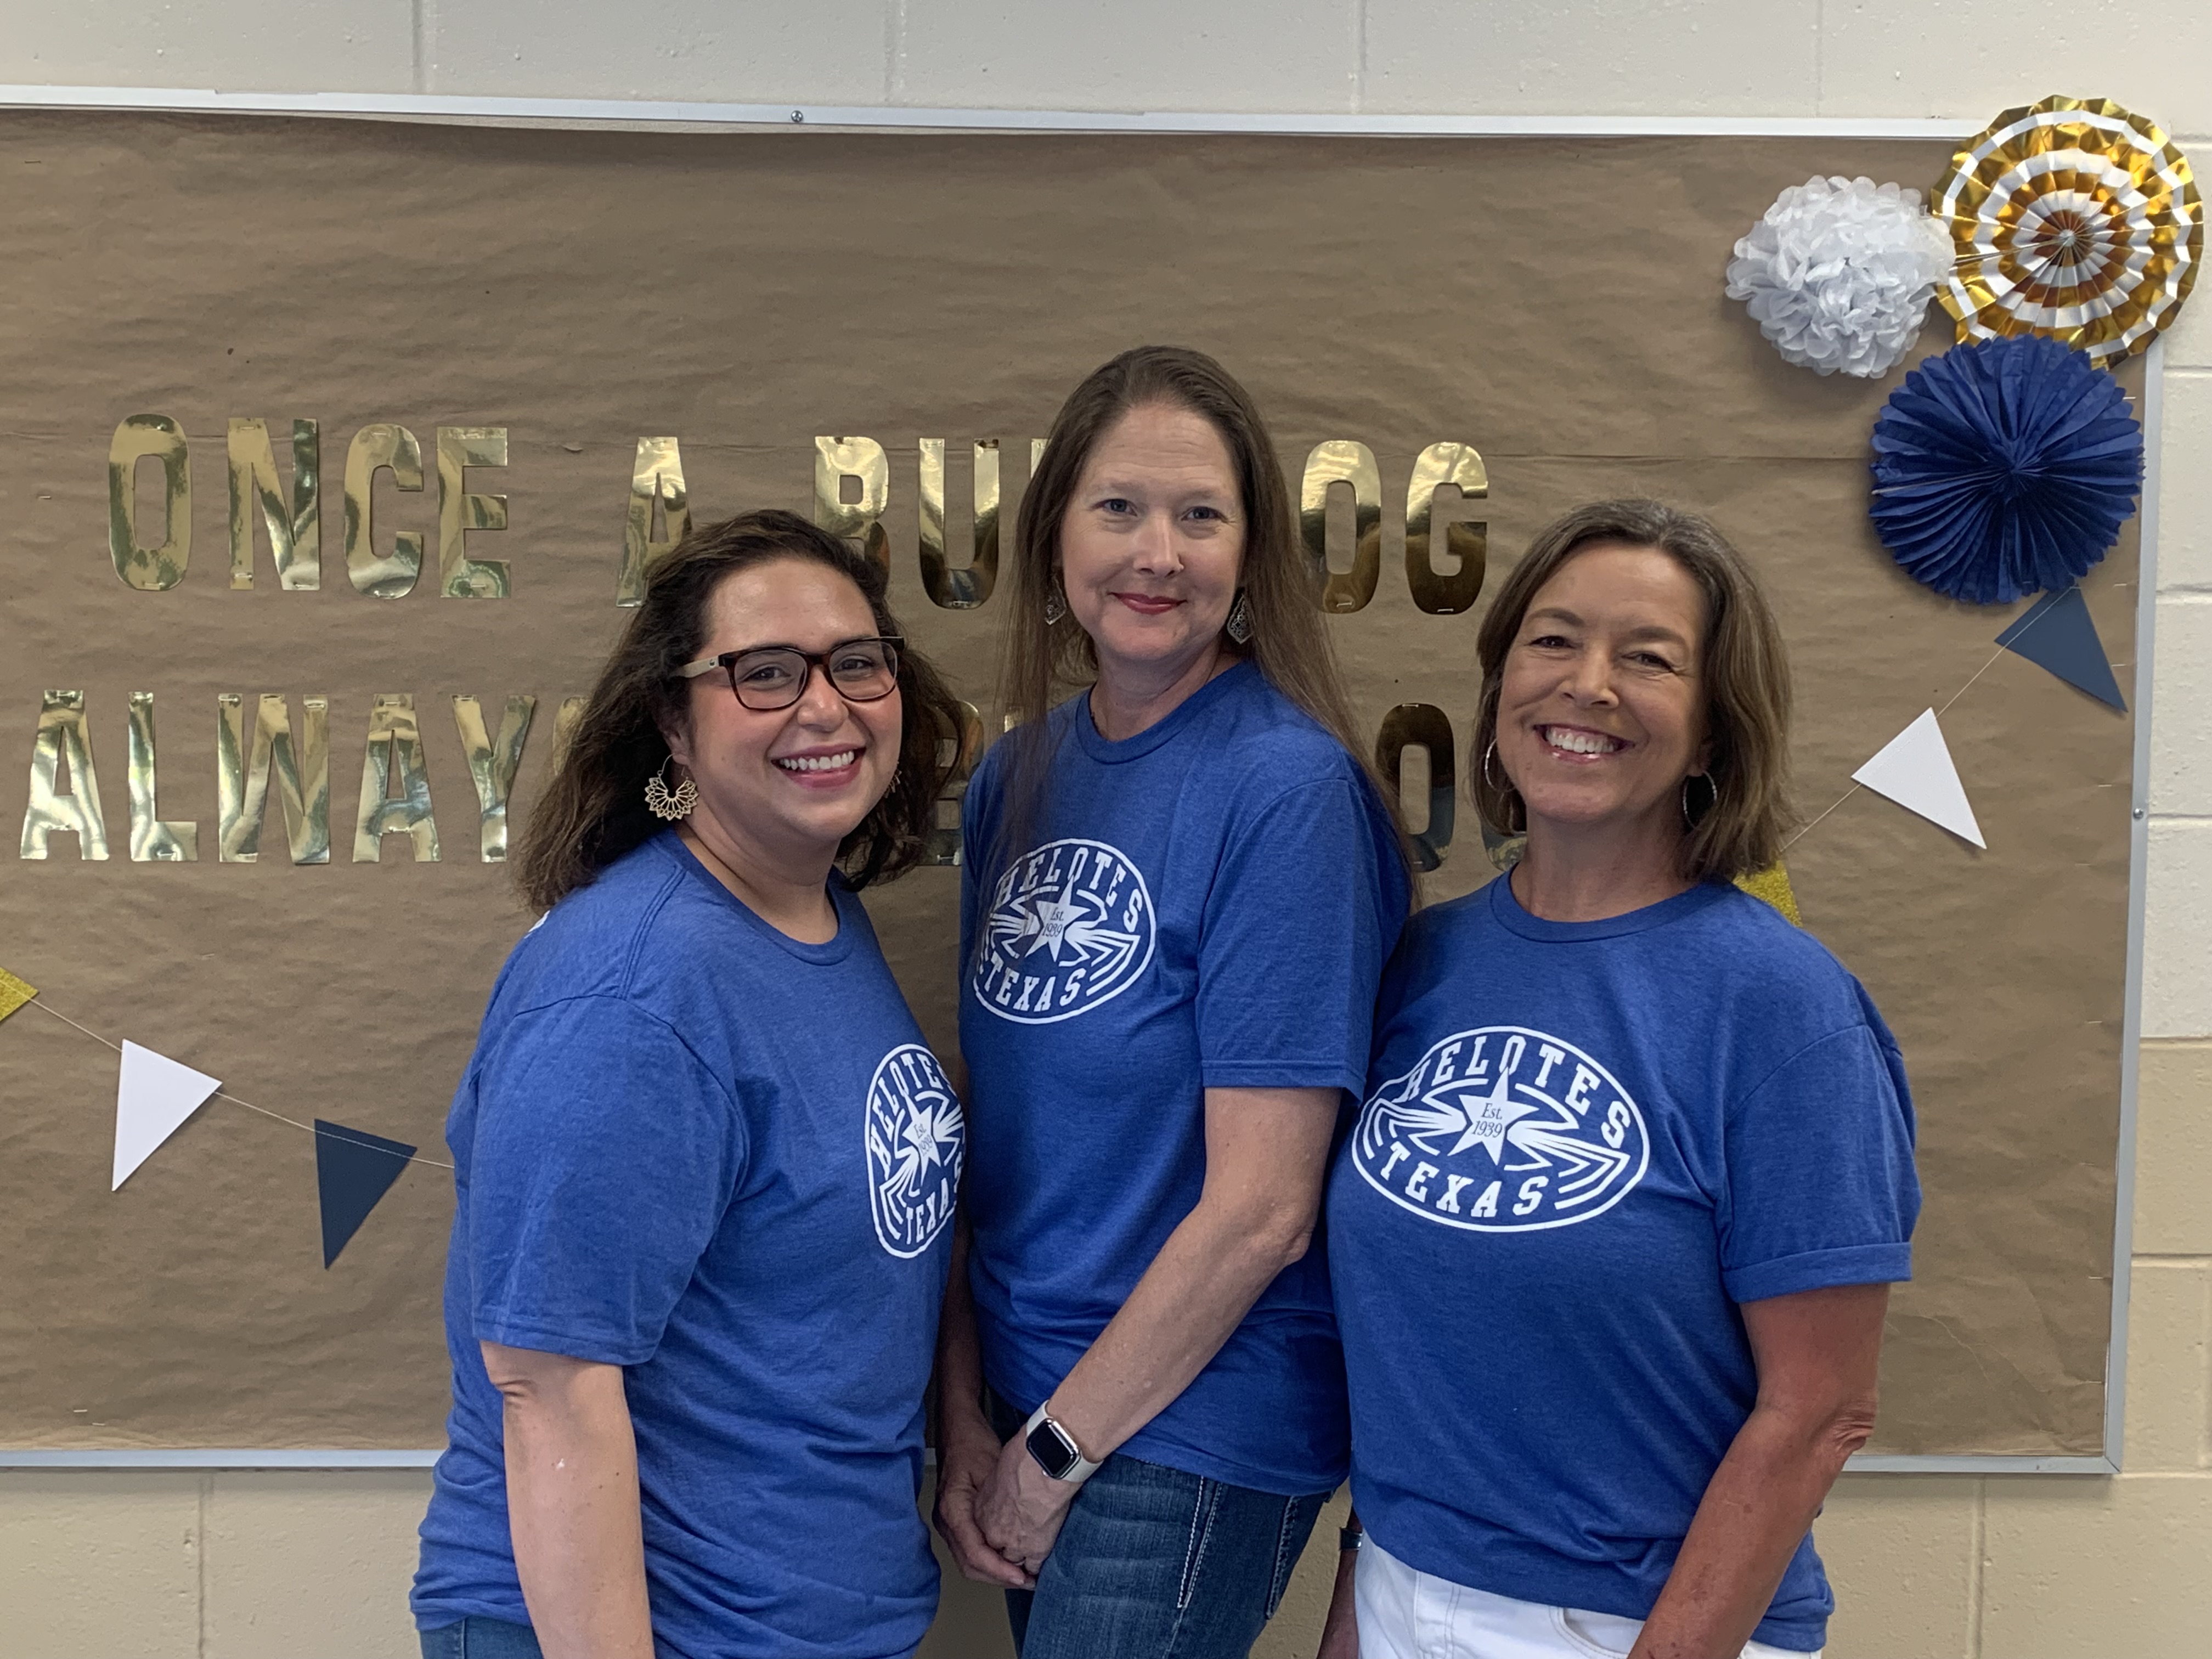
570 321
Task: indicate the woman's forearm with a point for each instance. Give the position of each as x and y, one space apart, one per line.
968 1447
1339 1630
1755 1512
1817 1354
959 1348
572 1505
1197 1288
1265 1149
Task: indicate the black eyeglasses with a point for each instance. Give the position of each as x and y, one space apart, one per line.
771 677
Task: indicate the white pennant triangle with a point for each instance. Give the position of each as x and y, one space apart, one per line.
153 1095
1914 769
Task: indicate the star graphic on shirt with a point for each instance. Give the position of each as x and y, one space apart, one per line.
1053 917
1487 1116
929 1139
922 1133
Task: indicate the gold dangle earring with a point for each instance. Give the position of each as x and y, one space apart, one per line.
669 805
1239 625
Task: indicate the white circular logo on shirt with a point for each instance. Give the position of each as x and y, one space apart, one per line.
916 1139
1070 927
1502 1129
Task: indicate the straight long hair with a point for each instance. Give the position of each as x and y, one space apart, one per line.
1744 675
1043 662
594 809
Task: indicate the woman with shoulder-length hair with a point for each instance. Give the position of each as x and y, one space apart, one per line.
704 1161
1181 888
1613 1234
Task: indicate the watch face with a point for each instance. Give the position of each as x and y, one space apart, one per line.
1054 1455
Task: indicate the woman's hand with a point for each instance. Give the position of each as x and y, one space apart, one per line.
967 1447
967 1458
1022 1507
1339 1631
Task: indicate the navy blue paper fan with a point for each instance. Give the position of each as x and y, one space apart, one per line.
2003 468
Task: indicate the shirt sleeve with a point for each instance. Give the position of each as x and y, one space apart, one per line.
1821 1189
603 1158
1305 908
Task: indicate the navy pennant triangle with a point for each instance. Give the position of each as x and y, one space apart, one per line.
354 1170
2055 634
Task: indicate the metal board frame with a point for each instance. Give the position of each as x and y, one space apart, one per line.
714 116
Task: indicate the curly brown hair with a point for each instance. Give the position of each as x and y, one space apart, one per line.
594 809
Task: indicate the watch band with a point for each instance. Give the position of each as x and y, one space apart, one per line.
1350 1538
1052 1449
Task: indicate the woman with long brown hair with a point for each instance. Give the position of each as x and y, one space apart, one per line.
703 1163
1180 886
1613 1234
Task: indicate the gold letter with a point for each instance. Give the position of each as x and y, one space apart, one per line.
564 724
960 590
967 749
137 437
395 751
658 475
836 459
461 577
373 446
297 543
1437 593
1342 461
62 732
492 765
242 784
153 841
1421 726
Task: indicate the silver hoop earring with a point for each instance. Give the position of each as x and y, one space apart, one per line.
1510 793
1055 604
1691 820
670 805
1488 754
1239 625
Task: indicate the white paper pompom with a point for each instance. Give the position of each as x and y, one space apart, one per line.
1839 272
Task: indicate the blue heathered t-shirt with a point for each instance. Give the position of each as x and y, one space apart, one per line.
693 1148
1208 904
1584 1145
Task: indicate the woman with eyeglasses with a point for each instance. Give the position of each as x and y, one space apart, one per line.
704 1165
1180 886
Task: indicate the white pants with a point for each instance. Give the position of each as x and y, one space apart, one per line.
1405 1613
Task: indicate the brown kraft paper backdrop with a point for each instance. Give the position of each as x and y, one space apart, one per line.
1556 304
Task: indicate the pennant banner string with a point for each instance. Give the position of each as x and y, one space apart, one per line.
2002 651
40 1002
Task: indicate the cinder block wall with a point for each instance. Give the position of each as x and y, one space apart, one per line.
313 1566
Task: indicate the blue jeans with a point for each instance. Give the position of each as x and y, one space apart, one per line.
1155 1564
481 1638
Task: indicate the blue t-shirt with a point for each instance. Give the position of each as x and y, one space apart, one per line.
1584 1145
693 1148
1208 904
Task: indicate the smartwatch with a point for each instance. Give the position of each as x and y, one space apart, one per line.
1054 1449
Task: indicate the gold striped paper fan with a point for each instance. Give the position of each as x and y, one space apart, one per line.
2074 219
